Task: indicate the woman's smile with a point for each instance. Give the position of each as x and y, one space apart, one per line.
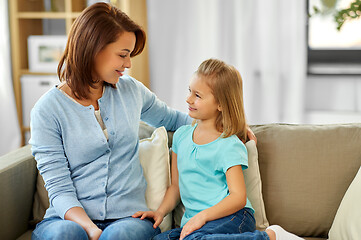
119 73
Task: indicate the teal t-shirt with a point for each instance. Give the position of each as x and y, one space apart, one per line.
202 169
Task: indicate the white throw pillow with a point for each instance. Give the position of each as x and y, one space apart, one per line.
154 158
252 178
253 181
347 222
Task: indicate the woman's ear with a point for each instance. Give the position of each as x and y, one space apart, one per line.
219 108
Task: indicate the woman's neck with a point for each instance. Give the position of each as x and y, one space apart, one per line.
94 95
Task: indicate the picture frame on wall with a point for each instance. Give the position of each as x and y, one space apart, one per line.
45 51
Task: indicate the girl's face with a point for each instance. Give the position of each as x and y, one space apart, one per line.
114 58
201 103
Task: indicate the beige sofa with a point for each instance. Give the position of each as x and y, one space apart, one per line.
305 171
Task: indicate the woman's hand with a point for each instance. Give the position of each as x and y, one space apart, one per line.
193 224
251 135
94 233
78 215
156 215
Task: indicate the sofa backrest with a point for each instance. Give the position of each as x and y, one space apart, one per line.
17 184
305 172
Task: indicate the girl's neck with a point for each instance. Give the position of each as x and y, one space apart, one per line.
205 132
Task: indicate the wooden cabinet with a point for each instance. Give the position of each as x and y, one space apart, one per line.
29 17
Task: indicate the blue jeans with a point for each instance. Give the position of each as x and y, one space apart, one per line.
125 228
237 226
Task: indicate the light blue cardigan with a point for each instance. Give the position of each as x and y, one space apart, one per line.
79 166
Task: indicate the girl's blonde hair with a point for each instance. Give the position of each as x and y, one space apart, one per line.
226 84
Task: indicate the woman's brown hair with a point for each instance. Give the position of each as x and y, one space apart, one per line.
97 26
226 84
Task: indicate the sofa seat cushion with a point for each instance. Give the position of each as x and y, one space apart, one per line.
305 171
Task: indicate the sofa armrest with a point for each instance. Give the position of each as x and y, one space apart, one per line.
17 185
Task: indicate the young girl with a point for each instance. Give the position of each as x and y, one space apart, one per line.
208 160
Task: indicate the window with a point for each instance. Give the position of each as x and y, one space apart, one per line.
331 51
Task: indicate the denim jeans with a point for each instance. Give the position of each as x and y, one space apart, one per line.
125 228
237 226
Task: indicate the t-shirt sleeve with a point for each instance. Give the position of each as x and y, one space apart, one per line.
175 140
235 153
178 135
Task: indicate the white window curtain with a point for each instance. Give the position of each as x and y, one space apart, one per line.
264 40
9 127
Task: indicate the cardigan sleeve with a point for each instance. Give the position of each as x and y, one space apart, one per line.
157 113
48 150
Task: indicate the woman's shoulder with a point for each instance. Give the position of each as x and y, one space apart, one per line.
128 86
47 100
128 81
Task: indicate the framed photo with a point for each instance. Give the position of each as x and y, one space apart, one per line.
44 52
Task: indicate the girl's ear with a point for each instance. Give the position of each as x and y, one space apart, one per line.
219 108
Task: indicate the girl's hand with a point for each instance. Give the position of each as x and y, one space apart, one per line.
193 224
157 216
94 233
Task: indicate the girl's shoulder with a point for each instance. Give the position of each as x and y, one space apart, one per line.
233 142
183 131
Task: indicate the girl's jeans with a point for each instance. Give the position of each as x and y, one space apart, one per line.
125 228
237 226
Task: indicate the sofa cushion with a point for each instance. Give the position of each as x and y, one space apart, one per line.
347 222
154 158
41 201
305 171
254 186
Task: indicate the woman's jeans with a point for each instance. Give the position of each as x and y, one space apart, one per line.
125 228
237 226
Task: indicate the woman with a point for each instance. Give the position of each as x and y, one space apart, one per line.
84 132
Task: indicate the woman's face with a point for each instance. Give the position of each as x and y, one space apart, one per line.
114 58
